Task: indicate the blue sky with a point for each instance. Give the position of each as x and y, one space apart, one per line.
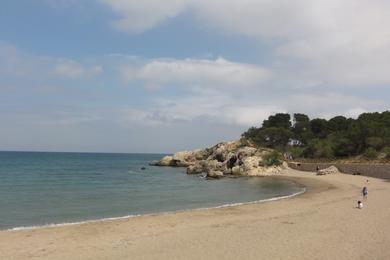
130 76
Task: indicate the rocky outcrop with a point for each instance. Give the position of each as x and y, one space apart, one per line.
227 158
165 161
330 170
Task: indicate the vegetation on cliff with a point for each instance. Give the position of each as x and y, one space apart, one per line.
339 137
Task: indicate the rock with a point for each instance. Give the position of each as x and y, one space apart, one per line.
184 159
212 165
228 158
237 170
202 154
166 161
246 151
284 165
143 168
215 174
231 160
330 170
219 157
251 162
196 168
227 171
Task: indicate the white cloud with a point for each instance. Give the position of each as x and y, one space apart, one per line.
16 63
342 42
219 73
329 104
138 16
211 108
69 69
75 70
355 112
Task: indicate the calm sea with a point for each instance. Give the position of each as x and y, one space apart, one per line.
52 188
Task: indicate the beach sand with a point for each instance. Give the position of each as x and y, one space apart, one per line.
323 223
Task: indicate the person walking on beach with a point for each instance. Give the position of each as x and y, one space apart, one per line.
360 205
365 192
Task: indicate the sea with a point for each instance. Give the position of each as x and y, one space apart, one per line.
45 188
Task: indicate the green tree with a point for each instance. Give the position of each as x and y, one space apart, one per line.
319 148
296 151
279 120
319 138
375 142
338 123
319 128
342 145
251 133
273 137
301 128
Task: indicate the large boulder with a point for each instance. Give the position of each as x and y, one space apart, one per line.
196 168
202 154
212 165
330 170
166 161
231 160
251 162
238 170
246 151
184 159
215 174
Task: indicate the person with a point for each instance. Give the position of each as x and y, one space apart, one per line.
360 205
365 192
318 168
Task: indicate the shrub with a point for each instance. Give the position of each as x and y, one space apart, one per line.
319 149
272 158
371 153
296 151
386 151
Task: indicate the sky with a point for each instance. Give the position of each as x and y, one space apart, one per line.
163 76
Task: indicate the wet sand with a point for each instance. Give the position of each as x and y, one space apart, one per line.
323 223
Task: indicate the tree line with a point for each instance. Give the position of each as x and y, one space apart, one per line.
338 137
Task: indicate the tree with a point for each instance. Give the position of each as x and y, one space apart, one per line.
279 120
342 145
375 142
319 148
250 133
338 123
319 138
301 128
273 137
319 127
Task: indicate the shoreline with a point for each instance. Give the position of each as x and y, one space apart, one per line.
322 223
65 224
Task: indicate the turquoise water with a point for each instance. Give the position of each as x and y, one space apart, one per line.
53 188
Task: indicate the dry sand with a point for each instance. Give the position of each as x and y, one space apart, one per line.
323 223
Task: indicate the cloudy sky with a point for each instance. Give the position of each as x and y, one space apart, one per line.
162 76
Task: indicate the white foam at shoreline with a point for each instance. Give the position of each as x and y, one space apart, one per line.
156 213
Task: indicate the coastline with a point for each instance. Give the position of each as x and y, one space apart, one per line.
124 217
323 222
54 225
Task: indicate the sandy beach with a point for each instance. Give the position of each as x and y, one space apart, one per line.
322 223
